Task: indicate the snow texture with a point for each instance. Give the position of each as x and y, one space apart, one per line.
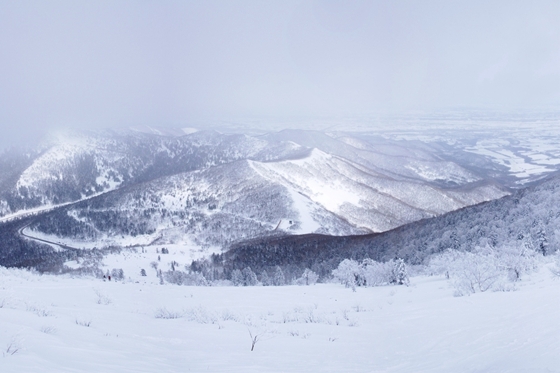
62 324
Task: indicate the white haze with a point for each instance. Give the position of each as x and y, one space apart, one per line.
183 63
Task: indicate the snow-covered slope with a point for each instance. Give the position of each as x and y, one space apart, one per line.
60 324
363 197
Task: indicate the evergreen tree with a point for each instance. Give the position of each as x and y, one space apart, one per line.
542 241
279 278
400 275
237 277
265 280
249 277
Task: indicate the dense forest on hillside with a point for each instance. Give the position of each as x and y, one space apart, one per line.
529 217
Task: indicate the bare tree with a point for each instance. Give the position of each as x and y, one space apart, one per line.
154 265
255 337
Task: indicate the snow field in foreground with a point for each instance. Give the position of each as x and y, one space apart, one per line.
62 324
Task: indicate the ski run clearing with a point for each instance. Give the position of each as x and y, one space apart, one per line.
61 324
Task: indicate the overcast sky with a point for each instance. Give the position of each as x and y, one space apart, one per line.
117 63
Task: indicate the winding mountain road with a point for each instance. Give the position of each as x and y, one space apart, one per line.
58 244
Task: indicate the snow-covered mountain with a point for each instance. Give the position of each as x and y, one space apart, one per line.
397 160
209 188
526 221
75 166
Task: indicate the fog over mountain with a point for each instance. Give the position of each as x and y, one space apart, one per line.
81 64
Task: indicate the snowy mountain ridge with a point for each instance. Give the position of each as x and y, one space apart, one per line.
147 186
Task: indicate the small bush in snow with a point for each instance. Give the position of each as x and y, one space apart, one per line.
39 311
82 322
164 313
228 315
12 348
48 329
102 298
201 315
